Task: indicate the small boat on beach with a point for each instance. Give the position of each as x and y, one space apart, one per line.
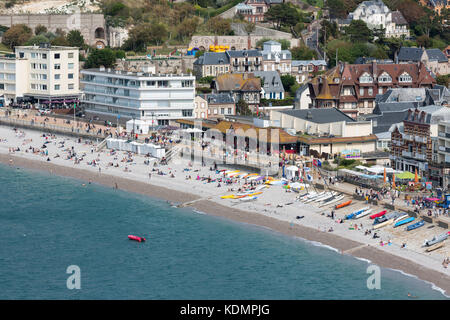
363 214
343 204
434 247
247 199
400 218
136 238
393 215
404 221
332 200
379 214
383 224
379 220
354 213
436 239
415 225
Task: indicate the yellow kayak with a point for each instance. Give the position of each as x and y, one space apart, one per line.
250 175
230 196
230 173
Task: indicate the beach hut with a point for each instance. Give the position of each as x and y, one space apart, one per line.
291 171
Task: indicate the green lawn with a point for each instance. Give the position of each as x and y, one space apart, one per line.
4 48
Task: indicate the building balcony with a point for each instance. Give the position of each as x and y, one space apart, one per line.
444 135
408 137
420 156
407 154
443 149
397 143
421 139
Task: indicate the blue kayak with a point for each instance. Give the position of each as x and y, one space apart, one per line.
355 213
404 221
415 225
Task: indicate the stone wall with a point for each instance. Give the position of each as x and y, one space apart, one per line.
174 66
87 23
240 42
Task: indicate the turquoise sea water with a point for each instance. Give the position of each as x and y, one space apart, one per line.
48 223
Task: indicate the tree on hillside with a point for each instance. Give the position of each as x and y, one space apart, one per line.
187 28
242 108
288 81
249 27
283 15
60 41
142 35
303 53
16 35
219 26
100 57
337 9
358 31
36 40
75 38
40 29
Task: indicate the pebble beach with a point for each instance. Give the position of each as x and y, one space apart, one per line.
186 184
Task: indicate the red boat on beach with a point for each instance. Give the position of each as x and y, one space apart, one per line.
379 214
136 238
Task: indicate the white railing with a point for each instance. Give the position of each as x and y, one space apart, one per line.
407 154
420 156
421 139
408 137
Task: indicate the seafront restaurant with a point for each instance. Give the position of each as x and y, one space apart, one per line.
287 143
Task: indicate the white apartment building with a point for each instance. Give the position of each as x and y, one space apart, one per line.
12 69
46 74
154 98
53 72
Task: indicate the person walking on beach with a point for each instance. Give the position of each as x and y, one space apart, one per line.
149 176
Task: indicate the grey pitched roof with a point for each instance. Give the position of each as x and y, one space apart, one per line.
319 115
300 90
383 122
434 114
243 53
410 54
398 18
365 60
382 107
272 81
436 55
296 63
219 98
213 58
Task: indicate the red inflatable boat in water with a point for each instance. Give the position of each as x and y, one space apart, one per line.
136 238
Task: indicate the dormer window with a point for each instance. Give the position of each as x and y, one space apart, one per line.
365 78
405 77
336 80
384 78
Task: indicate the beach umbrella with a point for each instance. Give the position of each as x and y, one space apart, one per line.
416 177
393 181
384 175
